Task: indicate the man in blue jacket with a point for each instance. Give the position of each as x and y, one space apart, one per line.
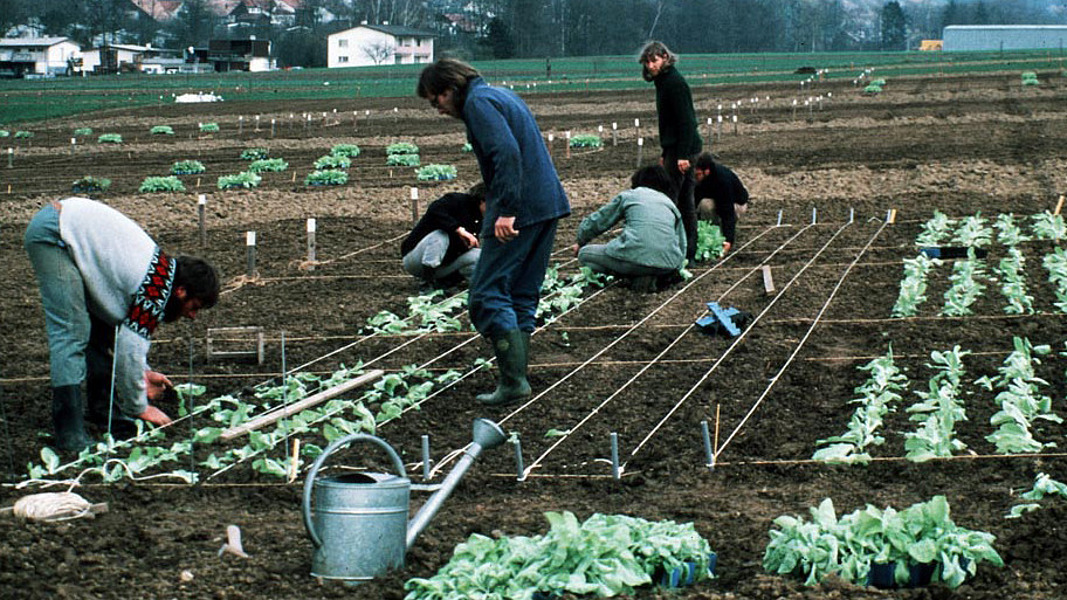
524 200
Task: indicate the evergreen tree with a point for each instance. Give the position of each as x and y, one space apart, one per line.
894 27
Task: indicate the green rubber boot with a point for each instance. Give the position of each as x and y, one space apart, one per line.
68 419
511 356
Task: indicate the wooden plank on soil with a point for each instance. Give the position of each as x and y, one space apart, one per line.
284 411
768 280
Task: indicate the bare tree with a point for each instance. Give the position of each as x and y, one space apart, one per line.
379 51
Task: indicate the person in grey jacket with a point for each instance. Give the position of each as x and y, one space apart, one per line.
652 242
524 200
106 286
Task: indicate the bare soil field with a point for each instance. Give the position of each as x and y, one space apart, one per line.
841 186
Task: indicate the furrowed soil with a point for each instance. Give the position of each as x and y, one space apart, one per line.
825 177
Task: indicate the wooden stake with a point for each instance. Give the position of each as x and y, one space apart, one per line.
294 461
768 280
892 216
281 412
1059 206
716 443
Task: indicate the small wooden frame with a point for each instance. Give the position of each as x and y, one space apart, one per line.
768 280
281 412
235 342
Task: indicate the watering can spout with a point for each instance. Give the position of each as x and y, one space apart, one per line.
487 434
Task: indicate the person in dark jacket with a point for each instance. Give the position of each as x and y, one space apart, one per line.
678 134
444 245
524 200
652 242
106 286
721 197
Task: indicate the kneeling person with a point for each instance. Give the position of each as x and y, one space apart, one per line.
653 240
721 197
444 245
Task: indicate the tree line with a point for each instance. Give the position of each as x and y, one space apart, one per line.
482 29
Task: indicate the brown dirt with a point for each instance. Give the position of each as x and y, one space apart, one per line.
980 144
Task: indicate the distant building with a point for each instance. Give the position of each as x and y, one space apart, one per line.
369 45
49 56
123 58
962 38
240 55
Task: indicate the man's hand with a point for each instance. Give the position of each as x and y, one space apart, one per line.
740 209
726 247
155 385
154 416
469 239
574 249
504 229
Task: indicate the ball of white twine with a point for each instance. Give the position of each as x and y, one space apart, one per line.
51 506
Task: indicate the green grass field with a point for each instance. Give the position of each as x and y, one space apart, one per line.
32 100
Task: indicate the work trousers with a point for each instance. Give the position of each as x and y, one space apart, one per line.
685 188
506 285
596 258
427 256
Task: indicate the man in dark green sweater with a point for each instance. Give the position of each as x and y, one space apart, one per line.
678 135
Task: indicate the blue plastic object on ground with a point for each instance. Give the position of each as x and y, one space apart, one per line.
721 320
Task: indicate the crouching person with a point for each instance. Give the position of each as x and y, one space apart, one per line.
443 247
721 197
105 286
652 244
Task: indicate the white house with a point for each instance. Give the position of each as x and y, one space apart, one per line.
368 45
41 56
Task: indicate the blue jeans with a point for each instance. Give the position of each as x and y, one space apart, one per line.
67 320
431 250
506 285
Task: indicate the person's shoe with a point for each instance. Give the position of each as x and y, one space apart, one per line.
643 284
68 419
511 356
664 282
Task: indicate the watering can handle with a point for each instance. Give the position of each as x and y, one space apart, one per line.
355 437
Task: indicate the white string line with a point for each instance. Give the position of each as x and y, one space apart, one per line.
733 345
800 345
633 328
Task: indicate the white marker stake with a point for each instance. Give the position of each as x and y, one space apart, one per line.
640 150
414 205
201 212
311 244
250 244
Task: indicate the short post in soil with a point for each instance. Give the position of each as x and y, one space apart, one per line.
311 244
414 205
10 156
852 215
735 124
710 130
240 124
814 215
640 149
779 219
355 120
794 109
705 433
396 114
73 142
201 214
568 137
715 454
257 122
719 119
250 250
637 127
551 139
519 466
615 455
425 457
614 133
1059 205
272 128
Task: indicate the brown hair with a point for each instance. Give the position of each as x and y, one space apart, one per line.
653 50
445 74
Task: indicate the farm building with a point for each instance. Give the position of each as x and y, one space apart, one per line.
962 38
368 45
38 56
114 58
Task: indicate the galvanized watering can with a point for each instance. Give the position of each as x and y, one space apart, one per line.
360 525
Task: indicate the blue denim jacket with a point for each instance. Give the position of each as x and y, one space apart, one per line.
520 178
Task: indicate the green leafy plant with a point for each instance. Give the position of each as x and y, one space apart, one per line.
923 533
162 130
1020 400
401 148
1056 265
23 135
586 141
402 160
435 173
1047 226
966 286
872 89
162 184
4 133
209 127
939 410
1043 486
79 131
973 232
109 138
187 167
244 180
1012 276
327 177
605 556
913 285
89 184
467 147
1030 78
939 227
1008 231
268 164
254 154
349 150
710 241
332 161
